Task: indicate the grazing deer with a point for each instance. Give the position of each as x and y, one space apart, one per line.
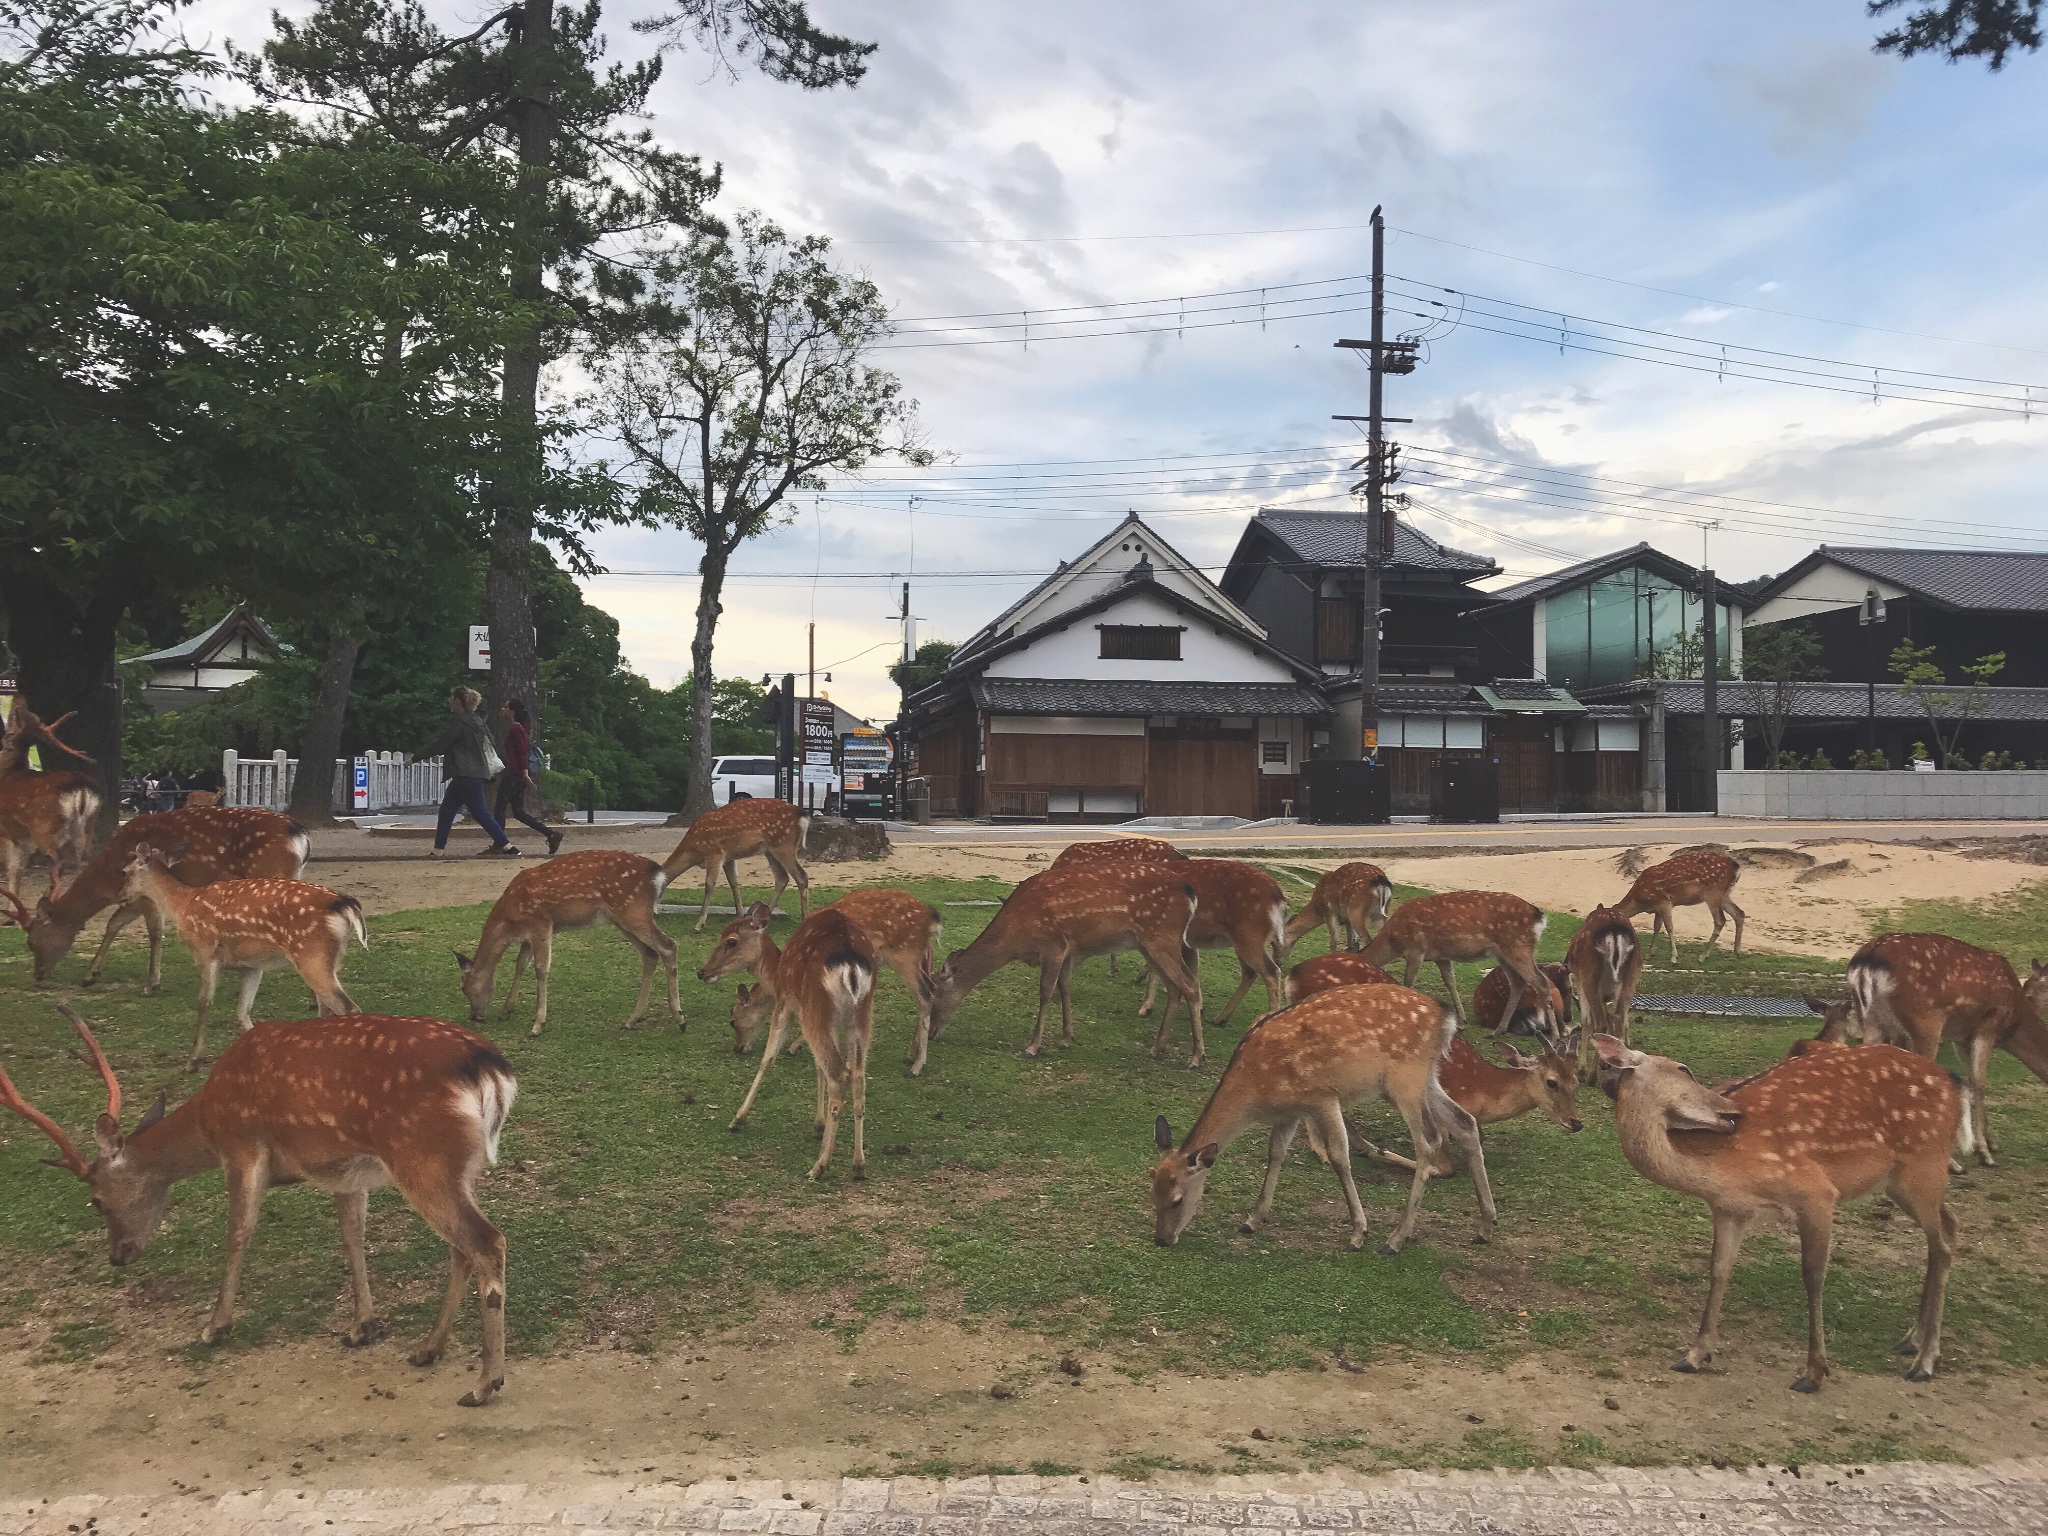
1604 964
1916 990
52 809
1058 918
344 1104
903 930
1087 855
215 843
1356 895
252 926
1812 1130
1526 1014
826 978
1341 968
1306 1063
1467 925
575 890
1239 907
775 829
1702 877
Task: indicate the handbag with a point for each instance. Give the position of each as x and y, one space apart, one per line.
493 764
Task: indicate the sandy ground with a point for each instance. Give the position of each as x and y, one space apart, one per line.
784 1401
1813 897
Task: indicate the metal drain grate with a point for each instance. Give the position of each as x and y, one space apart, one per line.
1751 1007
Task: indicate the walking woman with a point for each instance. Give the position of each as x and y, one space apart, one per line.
465 751
517 778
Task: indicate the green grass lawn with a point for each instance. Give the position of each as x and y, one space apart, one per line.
1000 1192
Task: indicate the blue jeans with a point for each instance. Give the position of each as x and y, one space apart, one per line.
466 795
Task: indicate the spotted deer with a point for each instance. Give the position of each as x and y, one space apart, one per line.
1794 1140
825 979
212 843
343 1104
1526 1015
1058 918
1701 877
1356 895
1603 965
1466 926
1304 1064
574 890
1117 849
1238 907
904 932
1341 968
1917 990
719 838
52 809
252 926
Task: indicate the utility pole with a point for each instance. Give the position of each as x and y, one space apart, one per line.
1710 687
810 692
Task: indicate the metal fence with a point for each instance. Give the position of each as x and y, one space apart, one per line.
396 781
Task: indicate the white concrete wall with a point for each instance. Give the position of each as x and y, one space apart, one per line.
1823 589
1850 794
1090 578
1205 656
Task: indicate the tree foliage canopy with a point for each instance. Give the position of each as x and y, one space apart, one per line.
1962 29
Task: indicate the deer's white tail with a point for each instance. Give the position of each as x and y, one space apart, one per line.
350 911
1870 992
1542 920
1276 943
494 1092
1613 948
302 848
803 833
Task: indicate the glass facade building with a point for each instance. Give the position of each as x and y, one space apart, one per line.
1606 630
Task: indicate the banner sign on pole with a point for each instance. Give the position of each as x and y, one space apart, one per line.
359 794
479 647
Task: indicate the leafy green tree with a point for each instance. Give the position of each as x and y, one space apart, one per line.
1962 29
925 668
1947 710
1782 655
758 384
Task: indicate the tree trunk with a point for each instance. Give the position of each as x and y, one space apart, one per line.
67 654
313 790
711 583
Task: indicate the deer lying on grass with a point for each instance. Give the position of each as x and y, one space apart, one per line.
1465 926
1916 990
903 930
1059 918
1305 1064
826 978
52 809
775 829
1813 1130
214 843
1488 1093
1143 850
1604 964
1702 877
252 926
1356 895
344 1104
574 890
1526 1014
1238 907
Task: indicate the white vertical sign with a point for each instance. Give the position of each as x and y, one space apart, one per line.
479 647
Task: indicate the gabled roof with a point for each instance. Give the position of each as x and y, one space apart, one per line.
1998 581
1337 539
202 645
1643 555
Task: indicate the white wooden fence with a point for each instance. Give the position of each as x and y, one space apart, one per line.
396 782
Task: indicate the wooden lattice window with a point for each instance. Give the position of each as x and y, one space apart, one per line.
1140 642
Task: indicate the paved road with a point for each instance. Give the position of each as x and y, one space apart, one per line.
2007 1498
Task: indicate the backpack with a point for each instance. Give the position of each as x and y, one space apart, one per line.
536 760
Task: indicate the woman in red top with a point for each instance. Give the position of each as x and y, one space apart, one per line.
518 775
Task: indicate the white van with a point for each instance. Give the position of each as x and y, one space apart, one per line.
753 778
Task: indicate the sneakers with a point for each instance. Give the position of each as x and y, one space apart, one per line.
502 851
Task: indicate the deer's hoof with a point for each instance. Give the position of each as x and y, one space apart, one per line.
477 1398
1246 1228
1805 1384
368 1331
1357 1243
737 1125
1921 1373
423 1357
1685 1366
212 1335
859 1173
198 1063
94 981
1388 1250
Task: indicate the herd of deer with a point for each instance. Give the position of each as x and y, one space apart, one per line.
352 1102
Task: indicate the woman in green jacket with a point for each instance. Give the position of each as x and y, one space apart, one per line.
464 752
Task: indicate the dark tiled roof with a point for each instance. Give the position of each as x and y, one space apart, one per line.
1525 688
1822 701
1100 696
2009 581
1618 560
1338 539
1430 699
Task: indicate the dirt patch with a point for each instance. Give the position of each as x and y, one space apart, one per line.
1773 858
1820 872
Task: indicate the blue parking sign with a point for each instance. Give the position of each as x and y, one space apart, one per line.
360 798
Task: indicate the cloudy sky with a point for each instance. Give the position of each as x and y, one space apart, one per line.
1730 173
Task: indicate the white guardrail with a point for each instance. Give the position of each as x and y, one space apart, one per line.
396 782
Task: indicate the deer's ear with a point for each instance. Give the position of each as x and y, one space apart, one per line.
745 992
1162 1134
1614 1053
1514 1057
1206 1157
1714 1113
44 909
150 1116
1814 1004
461 959
107 1132
760 914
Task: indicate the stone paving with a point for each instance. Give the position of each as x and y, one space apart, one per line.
2006 1497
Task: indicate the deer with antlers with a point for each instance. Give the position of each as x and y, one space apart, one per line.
343 1104
252 926
213 843
1795 1140
719 838
1917 990
1058 918
1603 966
1700 877
1356 895
825 979
1238 907
903 930
575 890
1464 926
52 809
1304 1064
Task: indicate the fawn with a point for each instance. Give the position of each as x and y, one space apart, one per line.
343 1104
52 809
252 926
1356 895
1306 1063
1701 877
1815 1129
903 930
216 843
575 890
1239 907
775 829
1468 925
